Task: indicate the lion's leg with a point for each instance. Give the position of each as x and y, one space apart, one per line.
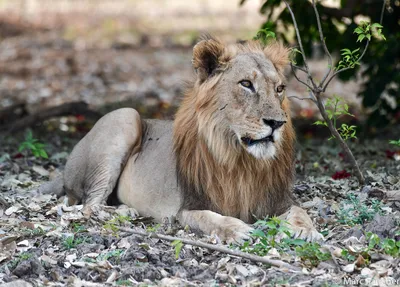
227 228
95 164
301 224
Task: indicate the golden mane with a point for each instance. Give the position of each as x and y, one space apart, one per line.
214 171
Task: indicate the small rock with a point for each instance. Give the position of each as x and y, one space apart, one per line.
383 225
40 170
349 268
191 263
140 257
17 283
11 210
242 271
222 262
28 268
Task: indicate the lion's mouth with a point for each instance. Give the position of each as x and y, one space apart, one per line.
249 141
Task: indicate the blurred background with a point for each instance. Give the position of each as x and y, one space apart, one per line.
86 57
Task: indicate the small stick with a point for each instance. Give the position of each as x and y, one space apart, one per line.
255 258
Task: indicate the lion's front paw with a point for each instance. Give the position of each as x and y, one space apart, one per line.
306 233
302 226
232 230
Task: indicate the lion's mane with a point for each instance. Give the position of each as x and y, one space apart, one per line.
214 172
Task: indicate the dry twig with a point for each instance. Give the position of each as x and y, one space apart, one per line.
255 258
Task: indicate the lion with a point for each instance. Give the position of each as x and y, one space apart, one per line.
225 161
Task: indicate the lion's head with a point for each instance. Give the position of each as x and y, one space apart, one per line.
232 134
243 89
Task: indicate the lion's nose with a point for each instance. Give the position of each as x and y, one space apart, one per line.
273 123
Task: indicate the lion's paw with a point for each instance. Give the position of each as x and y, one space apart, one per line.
308 234
233 230
302 226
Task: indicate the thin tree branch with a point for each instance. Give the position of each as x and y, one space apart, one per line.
73 108
363 53
342 143
300 68
382 12
298 79
300 44
345 69
321 35
302 99
255 258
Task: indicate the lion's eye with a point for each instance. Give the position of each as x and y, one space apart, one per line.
280 88
247 84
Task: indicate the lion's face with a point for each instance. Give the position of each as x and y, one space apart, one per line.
251 95
247 94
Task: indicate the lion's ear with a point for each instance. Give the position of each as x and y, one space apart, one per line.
278 54
206 57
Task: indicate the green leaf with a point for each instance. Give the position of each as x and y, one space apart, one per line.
376 25
36 153
43 154
21 147
358 30
320 123
178 247
345 51
258 233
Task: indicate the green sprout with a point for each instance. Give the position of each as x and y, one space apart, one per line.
336 108
33 145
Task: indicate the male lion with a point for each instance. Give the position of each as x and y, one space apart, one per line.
227 158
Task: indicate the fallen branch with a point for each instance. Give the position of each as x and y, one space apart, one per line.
12 113
255 258
74 108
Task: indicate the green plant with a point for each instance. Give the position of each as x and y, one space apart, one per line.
18 259
275 233
123 283
394 142
349 59
349 256
391 247
311 253
380 72
153 228
336 108
113 224
33 145
374 244
25 256
77 228
117 253
264 35
177 244
71 241
33 232
316 90
366 30
352 211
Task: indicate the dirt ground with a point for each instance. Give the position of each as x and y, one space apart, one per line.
43 242
46 243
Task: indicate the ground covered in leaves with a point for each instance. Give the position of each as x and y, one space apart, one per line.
45 242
